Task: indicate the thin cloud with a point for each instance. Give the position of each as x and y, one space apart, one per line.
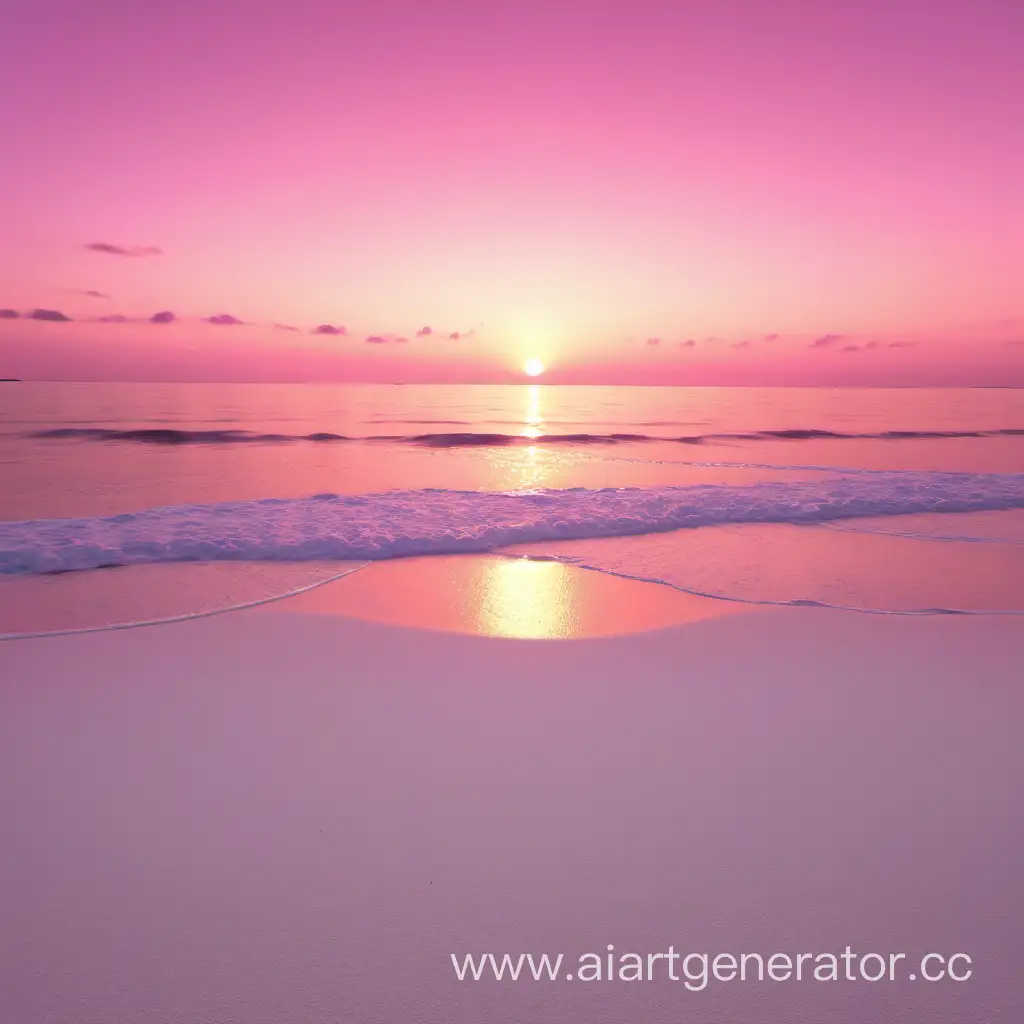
827 340
328 329
850 348
689 343
424 332
9 314
873 344
712 340
52 315
770 337
224 320
89 293
454 336
163 317
385 339
1012 341
284 327
902 344
742 344
134 251
654 342
113 318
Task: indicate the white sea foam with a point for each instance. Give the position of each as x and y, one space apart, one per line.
436 521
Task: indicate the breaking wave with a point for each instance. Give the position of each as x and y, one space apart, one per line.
405 523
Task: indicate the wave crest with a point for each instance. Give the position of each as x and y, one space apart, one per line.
478 439
399 524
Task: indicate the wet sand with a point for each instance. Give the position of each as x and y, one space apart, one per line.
485 595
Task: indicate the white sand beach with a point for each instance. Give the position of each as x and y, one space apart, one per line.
292 817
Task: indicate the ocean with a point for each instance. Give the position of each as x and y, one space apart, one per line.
897 501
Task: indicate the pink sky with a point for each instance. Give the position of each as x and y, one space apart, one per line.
568 180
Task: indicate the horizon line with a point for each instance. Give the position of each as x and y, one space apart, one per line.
524 383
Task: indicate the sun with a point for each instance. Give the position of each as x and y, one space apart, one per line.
533 367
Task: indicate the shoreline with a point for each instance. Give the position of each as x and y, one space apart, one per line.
486 595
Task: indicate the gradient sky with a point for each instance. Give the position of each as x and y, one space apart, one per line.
603 185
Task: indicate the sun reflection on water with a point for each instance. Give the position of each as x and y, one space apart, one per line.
532 413
521 598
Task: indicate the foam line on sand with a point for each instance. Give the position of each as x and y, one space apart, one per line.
187 616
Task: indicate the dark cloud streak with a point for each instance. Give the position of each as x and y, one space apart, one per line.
51 315
133 251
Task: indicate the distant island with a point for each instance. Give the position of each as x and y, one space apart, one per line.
11 380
